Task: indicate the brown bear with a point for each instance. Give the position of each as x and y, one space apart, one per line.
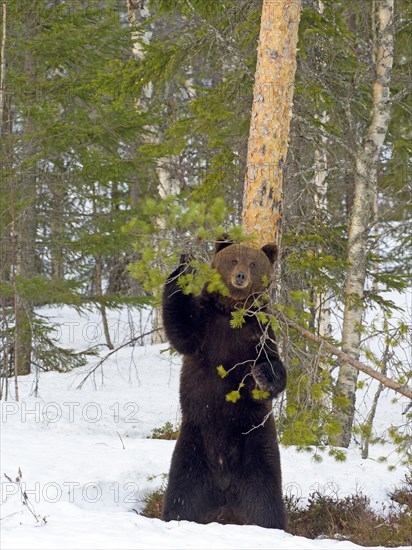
226 464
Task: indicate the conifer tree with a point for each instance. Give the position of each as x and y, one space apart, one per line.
67 130
270 119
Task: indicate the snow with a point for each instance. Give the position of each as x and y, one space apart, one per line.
87 462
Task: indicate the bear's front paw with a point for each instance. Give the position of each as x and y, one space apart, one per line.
185 259
268 379
184 263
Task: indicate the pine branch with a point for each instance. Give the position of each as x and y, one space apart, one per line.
344 357
340 141
402 94
222 40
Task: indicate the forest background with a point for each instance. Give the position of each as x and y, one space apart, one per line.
124 132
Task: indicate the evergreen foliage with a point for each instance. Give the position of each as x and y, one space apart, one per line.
82 142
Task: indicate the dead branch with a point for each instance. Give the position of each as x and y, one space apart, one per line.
130 342
344 357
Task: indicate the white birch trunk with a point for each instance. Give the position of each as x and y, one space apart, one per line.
137 11
323 300
362 215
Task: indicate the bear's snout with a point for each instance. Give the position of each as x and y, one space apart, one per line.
241 279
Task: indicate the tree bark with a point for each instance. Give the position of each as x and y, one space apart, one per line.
369 422
3 64
361 217
56 229
25 223
5 156
102 307
323 299
23 269
270 120
137 12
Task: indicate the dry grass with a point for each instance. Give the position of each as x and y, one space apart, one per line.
167 431
154 503
350 518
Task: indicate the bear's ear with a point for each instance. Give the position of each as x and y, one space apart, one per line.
222 242
271 251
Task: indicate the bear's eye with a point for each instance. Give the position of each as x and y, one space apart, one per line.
234 262
252 265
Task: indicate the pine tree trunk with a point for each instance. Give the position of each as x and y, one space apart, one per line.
57 219
5 156
7 343
102 307
361 217
270 120
24 267
24 224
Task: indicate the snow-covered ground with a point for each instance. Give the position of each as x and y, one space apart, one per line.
86 461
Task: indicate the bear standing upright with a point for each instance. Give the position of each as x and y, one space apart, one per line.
226 464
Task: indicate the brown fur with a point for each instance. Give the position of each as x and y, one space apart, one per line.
226 464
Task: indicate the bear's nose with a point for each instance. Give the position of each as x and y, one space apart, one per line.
240 278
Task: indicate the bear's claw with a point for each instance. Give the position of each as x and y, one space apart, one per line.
266 378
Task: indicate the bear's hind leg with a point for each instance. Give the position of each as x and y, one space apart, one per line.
191 493
257 502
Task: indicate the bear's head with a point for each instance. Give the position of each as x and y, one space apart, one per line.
244 270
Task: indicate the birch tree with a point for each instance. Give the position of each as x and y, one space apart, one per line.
361 217
323 298
167 183
270 120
